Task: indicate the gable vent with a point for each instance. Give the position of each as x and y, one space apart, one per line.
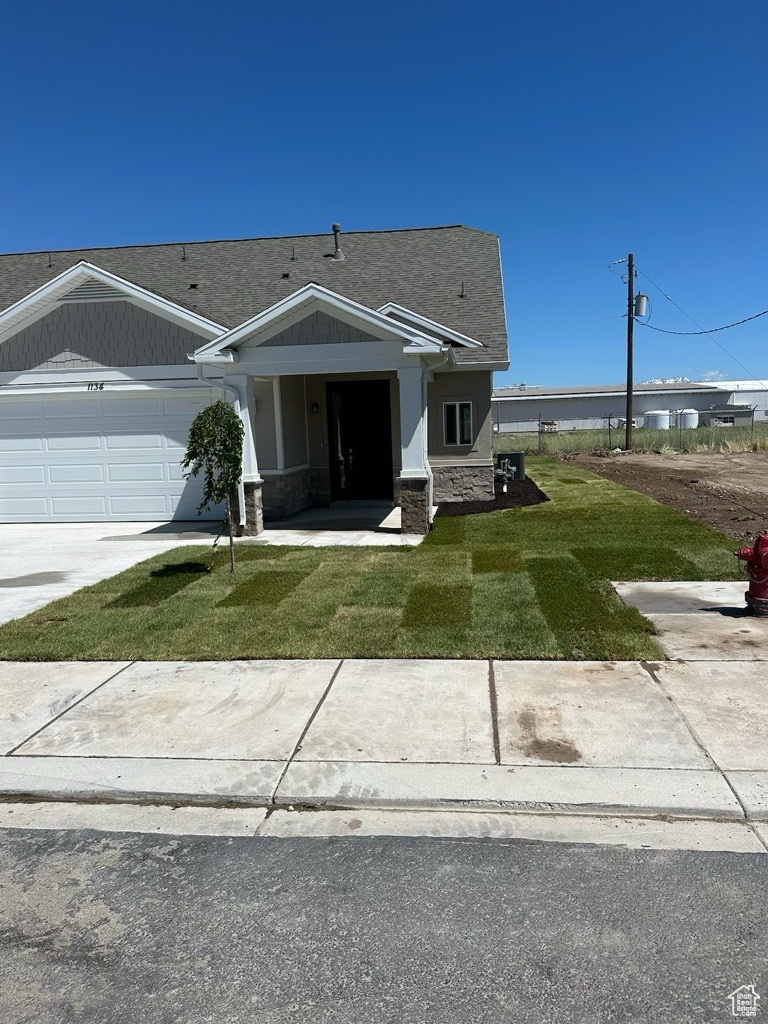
93 291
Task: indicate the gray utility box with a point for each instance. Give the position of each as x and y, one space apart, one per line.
516 461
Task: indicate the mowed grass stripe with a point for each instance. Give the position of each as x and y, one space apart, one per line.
267 588
161 584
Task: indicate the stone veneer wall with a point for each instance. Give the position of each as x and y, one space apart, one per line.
462 483
286 494
414 513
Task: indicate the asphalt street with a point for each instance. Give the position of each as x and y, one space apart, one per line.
99 928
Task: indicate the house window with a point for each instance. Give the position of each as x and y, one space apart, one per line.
457 423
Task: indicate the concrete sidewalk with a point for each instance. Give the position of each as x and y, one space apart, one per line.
679 739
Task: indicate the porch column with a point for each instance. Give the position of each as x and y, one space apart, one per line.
415 500
250 492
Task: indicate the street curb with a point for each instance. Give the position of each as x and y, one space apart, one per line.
632 792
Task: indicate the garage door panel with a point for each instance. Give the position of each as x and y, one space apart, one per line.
121 463
22 474
134 441
132 405
23 506
79 505
74 443
177 442
176 405
72 409
22 410
147 472
139 505
22 444
90 474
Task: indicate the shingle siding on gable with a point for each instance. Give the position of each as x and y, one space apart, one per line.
83 335
318 329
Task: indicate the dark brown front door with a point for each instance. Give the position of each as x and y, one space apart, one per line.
360 440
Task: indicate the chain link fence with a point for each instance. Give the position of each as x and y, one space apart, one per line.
547 437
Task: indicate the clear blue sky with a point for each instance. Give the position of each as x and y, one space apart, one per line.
575 130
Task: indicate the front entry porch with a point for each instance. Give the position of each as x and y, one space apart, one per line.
333 400
343 524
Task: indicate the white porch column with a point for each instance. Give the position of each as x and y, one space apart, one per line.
250 462
413 423
415 489
250 490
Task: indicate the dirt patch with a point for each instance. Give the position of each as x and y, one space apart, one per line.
728 492
519 494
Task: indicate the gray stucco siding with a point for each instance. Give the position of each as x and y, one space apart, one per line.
86 335
473 386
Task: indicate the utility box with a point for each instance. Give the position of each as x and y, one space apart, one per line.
516 461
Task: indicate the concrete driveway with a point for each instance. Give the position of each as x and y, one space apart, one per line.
40 562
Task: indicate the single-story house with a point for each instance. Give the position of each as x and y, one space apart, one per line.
361 368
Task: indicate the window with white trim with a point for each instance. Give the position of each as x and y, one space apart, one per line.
457 423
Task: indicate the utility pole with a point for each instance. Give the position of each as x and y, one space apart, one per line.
630 346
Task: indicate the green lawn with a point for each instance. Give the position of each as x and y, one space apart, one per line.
523 583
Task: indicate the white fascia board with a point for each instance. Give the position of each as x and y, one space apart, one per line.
483 364
43 299
332 302
355 357
429 325
169 373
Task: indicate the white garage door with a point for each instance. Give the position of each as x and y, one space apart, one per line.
97 455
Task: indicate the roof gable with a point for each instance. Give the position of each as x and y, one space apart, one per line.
427 326
86 282
304 303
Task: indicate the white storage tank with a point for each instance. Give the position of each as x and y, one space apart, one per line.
657 419
688 419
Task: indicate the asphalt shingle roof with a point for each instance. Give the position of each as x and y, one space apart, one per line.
420 268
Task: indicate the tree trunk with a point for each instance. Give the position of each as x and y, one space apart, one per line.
231 528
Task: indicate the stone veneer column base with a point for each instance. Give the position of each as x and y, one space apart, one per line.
254 514
414 505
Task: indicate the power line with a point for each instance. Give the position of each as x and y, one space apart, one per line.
701 330
579 323
710 331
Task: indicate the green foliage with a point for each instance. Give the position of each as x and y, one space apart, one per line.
215 449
